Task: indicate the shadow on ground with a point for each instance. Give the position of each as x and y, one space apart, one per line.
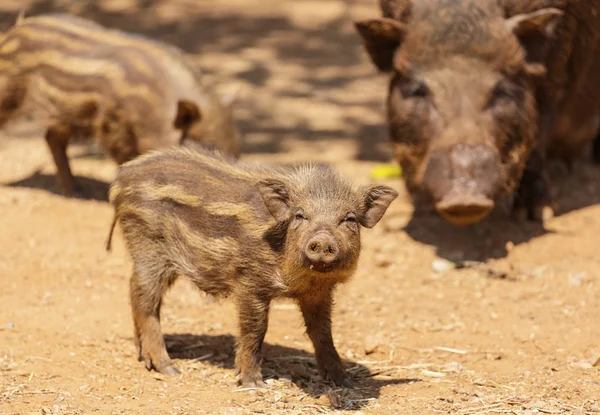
489 238
479 242
93 189
280 361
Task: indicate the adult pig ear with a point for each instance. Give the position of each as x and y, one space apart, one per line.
533 31
188 113
382 38
376 201
276 197
542 21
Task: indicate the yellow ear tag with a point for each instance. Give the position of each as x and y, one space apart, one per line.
386 171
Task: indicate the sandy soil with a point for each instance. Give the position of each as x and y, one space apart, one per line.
516 332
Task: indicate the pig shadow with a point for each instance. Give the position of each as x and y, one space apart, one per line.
480 242
93 189
280 361
573 190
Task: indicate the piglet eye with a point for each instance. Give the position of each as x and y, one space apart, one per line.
351 217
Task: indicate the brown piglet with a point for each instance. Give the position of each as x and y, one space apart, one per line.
244 231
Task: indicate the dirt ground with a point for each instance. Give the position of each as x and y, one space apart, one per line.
517 331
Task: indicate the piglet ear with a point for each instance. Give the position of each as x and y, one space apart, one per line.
376 201
188 113
276 197
382 38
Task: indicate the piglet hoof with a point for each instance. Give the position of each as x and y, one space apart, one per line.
166 369
170 371
252 382
344 382
339 377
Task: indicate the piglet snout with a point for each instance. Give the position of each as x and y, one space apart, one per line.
322 248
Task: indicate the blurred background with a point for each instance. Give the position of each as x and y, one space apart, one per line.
303 73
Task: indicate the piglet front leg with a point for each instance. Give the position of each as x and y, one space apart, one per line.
317 317
253 313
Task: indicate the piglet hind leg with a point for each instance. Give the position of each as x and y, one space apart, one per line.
146 296
57 137
254 318
317 317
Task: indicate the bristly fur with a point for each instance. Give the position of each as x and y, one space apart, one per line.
239 229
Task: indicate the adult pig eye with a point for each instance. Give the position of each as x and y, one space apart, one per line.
505 92
417 89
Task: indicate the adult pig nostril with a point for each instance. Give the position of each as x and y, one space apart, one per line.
314 247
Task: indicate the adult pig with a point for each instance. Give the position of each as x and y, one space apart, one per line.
482 91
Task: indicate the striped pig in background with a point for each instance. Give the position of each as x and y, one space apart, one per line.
130 93
253 233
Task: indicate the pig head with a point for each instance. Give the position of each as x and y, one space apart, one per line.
461 103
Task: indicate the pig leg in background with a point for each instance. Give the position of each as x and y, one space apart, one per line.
533 200
12 95
57 138
317 317
596 149
254 318
146 298
117 136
